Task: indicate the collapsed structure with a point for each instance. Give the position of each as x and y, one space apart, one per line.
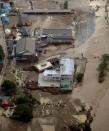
61 77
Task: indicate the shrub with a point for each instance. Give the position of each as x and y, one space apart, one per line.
22 100
8 87
103 67
66 5
23 112
105 57
25 100
79 77
24 109
1 53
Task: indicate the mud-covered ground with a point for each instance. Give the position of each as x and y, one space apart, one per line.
90 90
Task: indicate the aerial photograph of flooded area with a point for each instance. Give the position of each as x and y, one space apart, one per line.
54 65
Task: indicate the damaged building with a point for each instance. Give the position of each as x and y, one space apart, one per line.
61 77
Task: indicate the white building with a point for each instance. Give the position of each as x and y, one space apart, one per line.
65 71
66 68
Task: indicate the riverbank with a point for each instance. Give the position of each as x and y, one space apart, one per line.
91 91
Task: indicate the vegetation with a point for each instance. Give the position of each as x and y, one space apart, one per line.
25 100
1 66
80 127
103 67
66 5
24 109
8 87
1 53
1 57
79 77
23 112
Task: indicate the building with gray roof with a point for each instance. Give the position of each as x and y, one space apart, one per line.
57 35
25 49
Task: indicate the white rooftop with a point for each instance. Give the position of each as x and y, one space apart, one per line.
44 65
51 72
66 66
43 83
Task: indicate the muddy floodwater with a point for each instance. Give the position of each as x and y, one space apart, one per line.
85 27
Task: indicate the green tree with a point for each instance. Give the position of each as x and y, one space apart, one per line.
79 77
103 67
23 112
1 53
66 5
8 87
105 57
24 100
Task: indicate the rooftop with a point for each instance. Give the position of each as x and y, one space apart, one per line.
66 84
43 83
51 72
57 32
25 45
66 66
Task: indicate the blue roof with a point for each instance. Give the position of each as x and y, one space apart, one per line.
6 8
5 20
4 97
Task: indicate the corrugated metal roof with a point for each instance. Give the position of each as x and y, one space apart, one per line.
66 66
25 45
57 32
51 72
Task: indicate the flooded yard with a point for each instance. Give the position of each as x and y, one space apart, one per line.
54 110
85 27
